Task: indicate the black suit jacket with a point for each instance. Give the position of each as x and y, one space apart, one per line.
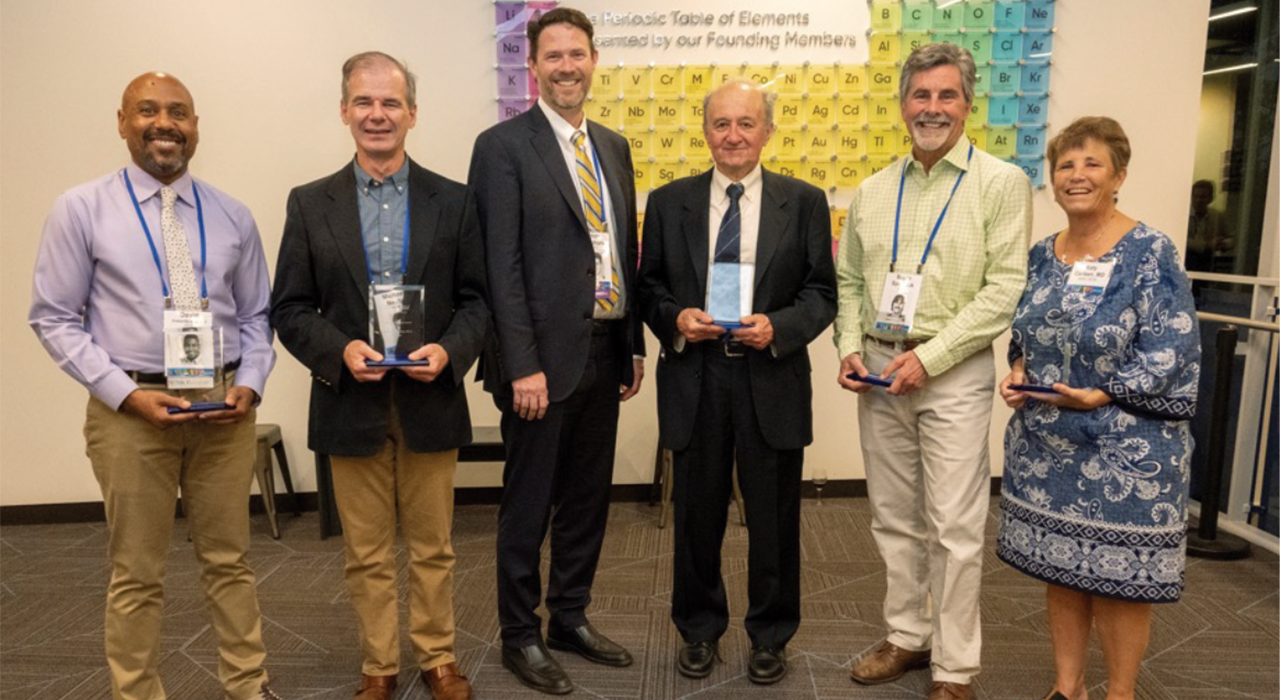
541 264
795 287
319 304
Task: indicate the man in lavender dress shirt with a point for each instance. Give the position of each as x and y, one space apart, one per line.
97 307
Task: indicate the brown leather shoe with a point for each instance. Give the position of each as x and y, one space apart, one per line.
886 662
447 682
941 690
376 687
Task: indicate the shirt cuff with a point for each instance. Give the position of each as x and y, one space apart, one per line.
935 358
114 388
247 377
849 344
679 343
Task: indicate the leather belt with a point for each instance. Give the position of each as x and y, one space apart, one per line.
603 327
899 345
733 348
159 378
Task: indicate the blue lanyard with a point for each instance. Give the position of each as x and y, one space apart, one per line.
897 217
155 255
404 252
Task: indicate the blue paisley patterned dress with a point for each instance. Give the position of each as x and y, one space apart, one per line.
1096 501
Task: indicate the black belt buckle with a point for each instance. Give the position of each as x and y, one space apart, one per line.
733 348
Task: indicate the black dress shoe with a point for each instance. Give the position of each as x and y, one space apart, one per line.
696 659
590 644
767 666
535 667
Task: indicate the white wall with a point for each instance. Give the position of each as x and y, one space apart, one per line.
265 79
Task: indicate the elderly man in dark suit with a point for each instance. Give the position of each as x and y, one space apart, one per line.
392 434
736 281
556 197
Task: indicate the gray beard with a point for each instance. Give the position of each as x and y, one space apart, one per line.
165 169
930 143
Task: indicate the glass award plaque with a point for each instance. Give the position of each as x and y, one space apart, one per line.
726 301
397 324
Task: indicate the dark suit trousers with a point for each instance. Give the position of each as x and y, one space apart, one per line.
770 481
558 473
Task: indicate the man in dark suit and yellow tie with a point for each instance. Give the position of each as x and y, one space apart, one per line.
556 198
736 281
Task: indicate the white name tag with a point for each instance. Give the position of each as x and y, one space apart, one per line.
897 311
602 244
189 351
1090 276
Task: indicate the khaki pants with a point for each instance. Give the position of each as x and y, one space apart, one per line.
369 491
928 482
141 470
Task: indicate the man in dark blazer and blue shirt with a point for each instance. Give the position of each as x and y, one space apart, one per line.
392 435
741 392
556 197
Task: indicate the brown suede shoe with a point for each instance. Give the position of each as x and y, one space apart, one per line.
941 690
886 662
447 682
376 687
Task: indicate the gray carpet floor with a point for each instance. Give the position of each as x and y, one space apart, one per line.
1221 641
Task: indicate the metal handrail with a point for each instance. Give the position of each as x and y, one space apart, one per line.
1239 321
1267 399
1234 279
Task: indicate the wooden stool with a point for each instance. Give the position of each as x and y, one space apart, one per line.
271 440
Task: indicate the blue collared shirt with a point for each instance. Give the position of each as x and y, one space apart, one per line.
97 304
382 210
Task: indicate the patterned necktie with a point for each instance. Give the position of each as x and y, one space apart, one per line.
725 299
593 207
182 275
729 240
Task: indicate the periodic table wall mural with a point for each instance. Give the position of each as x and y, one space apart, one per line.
835 70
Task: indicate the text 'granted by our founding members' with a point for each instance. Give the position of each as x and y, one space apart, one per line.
725 30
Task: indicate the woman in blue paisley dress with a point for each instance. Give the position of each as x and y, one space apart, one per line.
1096 469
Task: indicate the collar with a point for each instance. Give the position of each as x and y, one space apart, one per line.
563 129
145 186
958 156
750 184
364 180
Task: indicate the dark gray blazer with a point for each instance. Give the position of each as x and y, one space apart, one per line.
319 304
794 285
540 260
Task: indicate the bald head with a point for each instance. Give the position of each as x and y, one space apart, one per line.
737 120
158 122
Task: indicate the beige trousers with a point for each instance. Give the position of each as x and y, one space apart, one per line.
141 470
928 482
370 491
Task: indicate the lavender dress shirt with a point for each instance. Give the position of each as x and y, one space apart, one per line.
97 304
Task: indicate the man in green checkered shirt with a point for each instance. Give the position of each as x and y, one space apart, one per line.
931 266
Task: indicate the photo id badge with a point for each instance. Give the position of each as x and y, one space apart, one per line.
897 311
397 324
1090 277
192 349
602 245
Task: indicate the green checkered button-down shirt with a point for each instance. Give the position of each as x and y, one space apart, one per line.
975 272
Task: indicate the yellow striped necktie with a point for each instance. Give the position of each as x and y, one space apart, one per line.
593 208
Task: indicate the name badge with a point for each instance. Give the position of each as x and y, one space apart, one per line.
189 350
1090 277
602 244
897 311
